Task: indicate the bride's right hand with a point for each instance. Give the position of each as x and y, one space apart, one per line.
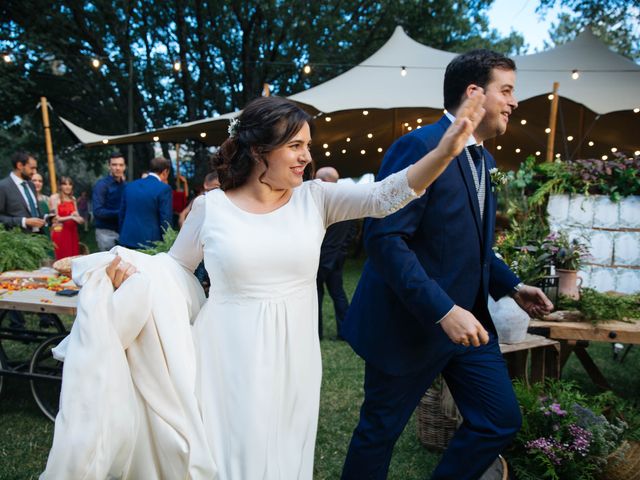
118 271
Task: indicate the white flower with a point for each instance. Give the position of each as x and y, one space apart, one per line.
234 124
498 178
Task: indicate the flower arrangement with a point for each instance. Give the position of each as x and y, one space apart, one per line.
519 247
498 179
564 434
564 253
616 177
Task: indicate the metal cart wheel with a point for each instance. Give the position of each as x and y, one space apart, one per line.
17 325
46 378
3 366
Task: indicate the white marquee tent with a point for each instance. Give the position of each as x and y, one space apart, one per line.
360 112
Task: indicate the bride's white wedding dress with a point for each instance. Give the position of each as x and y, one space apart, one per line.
257 353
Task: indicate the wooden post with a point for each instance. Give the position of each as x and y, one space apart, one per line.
178 166
48 145
553 115
578 153
266 90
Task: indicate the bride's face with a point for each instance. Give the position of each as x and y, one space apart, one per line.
287 163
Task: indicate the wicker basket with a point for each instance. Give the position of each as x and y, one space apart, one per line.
437 416
63 266
624 463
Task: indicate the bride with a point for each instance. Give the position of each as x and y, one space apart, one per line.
257 354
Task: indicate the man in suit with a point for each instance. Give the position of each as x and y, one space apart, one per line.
18 200
19 208
146 208
332 256
420 308
106 200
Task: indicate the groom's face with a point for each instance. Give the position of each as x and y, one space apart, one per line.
499 104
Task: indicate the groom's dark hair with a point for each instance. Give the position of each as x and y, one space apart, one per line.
473 67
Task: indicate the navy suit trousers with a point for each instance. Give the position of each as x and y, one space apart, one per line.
480 384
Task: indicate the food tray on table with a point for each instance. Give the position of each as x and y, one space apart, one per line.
30 291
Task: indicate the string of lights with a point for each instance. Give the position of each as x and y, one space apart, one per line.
97 61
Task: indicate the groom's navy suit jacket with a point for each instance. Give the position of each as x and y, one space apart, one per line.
423 259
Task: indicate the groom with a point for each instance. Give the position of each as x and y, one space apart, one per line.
420 308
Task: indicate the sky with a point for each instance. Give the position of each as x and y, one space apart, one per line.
520 15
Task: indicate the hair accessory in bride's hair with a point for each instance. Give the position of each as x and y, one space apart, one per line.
234 125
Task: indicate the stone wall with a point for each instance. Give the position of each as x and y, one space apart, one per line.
612 232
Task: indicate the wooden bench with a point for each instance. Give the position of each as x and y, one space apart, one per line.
533 359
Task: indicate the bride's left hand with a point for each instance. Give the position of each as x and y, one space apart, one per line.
118 271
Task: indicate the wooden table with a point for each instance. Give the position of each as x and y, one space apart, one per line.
533 359
575 337
38 300
38 367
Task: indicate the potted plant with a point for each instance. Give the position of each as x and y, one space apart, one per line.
564 434
567 256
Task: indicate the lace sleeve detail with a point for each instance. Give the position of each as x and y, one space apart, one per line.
393 193
338 202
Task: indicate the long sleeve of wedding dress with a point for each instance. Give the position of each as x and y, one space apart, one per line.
340 201
187 249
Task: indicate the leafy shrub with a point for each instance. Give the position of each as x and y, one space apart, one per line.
22 251
564 434
168 237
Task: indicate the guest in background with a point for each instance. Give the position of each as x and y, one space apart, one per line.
333 253
18 204
107 196
41 198
64 231
83 208
179 198
145 211
211 182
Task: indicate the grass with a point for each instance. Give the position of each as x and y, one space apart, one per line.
26 435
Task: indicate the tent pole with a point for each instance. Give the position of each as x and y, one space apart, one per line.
177 166
581 131
553 115
48 144
395 124
130 117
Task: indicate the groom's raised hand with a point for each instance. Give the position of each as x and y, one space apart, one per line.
463 328
468 117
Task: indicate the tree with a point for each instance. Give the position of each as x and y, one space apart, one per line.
615 22
223 52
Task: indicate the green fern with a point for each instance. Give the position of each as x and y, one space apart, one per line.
23 251
168 237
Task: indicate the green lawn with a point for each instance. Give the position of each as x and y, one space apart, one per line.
25 434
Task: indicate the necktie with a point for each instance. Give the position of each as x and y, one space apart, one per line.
477 155
32 206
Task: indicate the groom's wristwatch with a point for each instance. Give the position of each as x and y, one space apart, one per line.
516 289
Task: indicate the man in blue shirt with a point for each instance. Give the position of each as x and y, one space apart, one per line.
107 195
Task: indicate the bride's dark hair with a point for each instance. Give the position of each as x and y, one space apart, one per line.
265 124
